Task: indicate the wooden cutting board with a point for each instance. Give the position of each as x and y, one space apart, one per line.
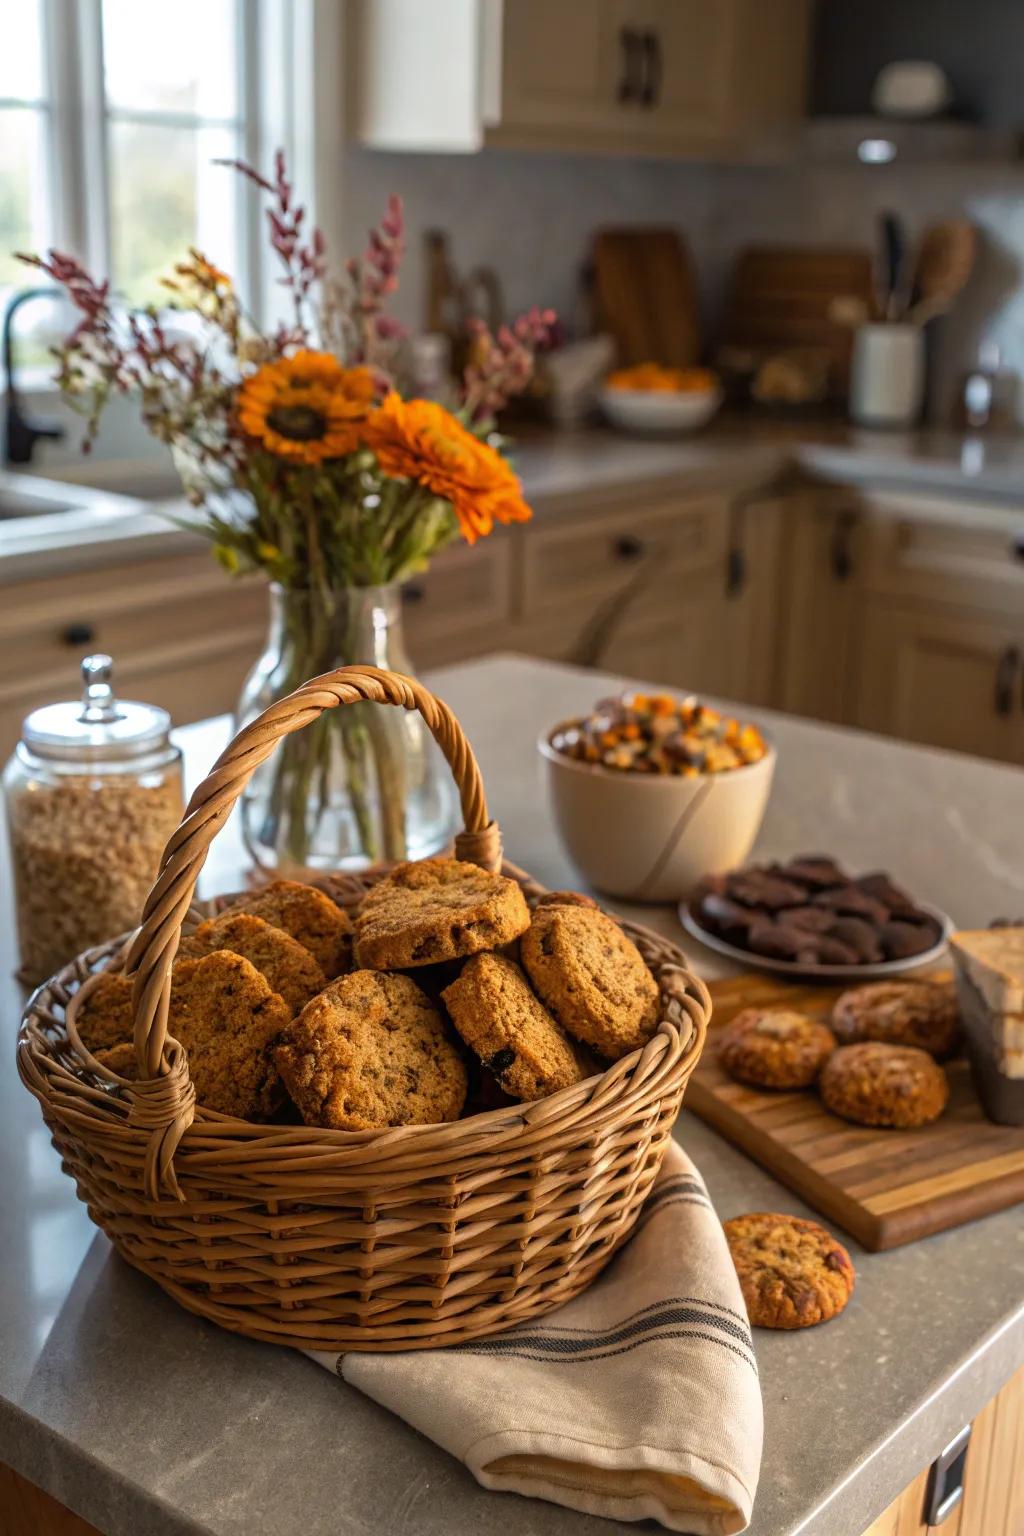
885 1187
645 296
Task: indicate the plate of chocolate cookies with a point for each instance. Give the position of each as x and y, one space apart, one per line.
810 918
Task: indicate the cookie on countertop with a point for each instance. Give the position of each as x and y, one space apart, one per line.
774 1048
897 1086
921 1013
227 1017
592 978
309 916
497 1015
371 1052
291 969
792 1272
436 909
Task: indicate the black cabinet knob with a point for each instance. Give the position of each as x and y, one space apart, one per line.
841 546
627 548
78 634
1017 547
1007 671
413 593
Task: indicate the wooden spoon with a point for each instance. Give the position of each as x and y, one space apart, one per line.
944 264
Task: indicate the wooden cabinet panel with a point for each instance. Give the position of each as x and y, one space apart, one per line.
819 605
462 605
694 49
930 673
949 556
563 62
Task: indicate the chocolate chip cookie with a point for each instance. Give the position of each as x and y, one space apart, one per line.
886 1085
437 909
370 1052
311 918
496 1013
291 969
592 978
774 1048
921 1013
792 1272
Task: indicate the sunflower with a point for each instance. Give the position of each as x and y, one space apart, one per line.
307 407
419 440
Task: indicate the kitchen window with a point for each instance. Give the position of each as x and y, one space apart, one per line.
111 114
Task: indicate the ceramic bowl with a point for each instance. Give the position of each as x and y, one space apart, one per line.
648 837
658 410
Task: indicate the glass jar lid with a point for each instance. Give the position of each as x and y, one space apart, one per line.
100 727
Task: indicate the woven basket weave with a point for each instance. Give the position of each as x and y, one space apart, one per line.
343 1240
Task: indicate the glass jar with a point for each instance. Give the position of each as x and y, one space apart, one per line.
93 792
365 782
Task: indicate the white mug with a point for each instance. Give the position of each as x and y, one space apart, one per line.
887 375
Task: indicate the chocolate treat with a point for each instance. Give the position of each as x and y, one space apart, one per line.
859 936
727 917
878 885
815 870
810 919
851 902
830 951
778 942
902 940
756 888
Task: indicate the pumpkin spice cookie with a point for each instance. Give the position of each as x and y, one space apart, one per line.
499 1018
227 1017
290 968
311 918
104 1018
886 1085
792 1272
921 1013
592 978
774 1048
370 1052
436 909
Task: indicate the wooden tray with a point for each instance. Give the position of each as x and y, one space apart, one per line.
885 1187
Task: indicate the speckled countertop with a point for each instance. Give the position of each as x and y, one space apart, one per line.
740 453
150 1422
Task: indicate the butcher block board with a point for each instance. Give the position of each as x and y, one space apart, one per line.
884 1187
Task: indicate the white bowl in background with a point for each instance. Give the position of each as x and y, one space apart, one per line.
659 410
654 837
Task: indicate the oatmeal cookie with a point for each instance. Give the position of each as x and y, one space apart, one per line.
226 1016
436 909
495 1012
565 899
774 1048
290 968
592 978
104 1018
887 1085
120 1059
921 1013
370 1052
792 1272
311 918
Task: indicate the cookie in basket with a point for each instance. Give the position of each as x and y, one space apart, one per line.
774 1048
311 918
592 978
371 1052
792 1272
897 1086
497 1015
436 909
104 1016
291 969
921 1013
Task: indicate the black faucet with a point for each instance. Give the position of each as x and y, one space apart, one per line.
21 433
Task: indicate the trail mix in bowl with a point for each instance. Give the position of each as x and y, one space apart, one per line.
658 733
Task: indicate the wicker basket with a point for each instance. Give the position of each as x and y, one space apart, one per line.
342 1240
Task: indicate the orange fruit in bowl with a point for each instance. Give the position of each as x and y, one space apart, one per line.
654 378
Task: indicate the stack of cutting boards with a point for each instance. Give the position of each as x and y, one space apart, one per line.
885 1187
645 296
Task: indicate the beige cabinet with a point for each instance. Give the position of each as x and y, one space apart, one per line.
819 601
945 676
566 66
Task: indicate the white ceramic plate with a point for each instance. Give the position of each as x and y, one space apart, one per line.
839 973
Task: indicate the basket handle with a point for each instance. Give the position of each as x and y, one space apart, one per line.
163 1101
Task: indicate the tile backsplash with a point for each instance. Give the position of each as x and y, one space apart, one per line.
530 216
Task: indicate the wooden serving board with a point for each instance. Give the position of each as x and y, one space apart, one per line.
885 1187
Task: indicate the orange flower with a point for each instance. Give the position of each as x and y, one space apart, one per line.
307 407
419 440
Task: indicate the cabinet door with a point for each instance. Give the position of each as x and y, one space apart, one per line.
563 66
820 603
689 55
948 677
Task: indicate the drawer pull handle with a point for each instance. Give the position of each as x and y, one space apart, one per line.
1018 547
946 1480
628 548
842 546
78 634
1007 669
413 594
631 45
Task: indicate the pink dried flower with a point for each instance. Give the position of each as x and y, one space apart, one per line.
502 366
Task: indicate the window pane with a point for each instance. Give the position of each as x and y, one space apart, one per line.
165 196
21 51
23 219
188 65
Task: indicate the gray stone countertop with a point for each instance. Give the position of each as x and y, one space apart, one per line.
743 453
150 1422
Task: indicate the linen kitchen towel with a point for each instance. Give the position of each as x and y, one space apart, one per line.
639 1399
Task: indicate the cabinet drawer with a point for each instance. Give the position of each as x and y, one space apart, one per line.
466 590
570 565
951 558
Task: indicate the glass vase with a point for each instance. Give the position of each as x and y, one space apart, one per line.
364 784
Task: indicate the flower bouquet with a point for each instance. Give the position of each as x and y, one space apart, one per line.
305 459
